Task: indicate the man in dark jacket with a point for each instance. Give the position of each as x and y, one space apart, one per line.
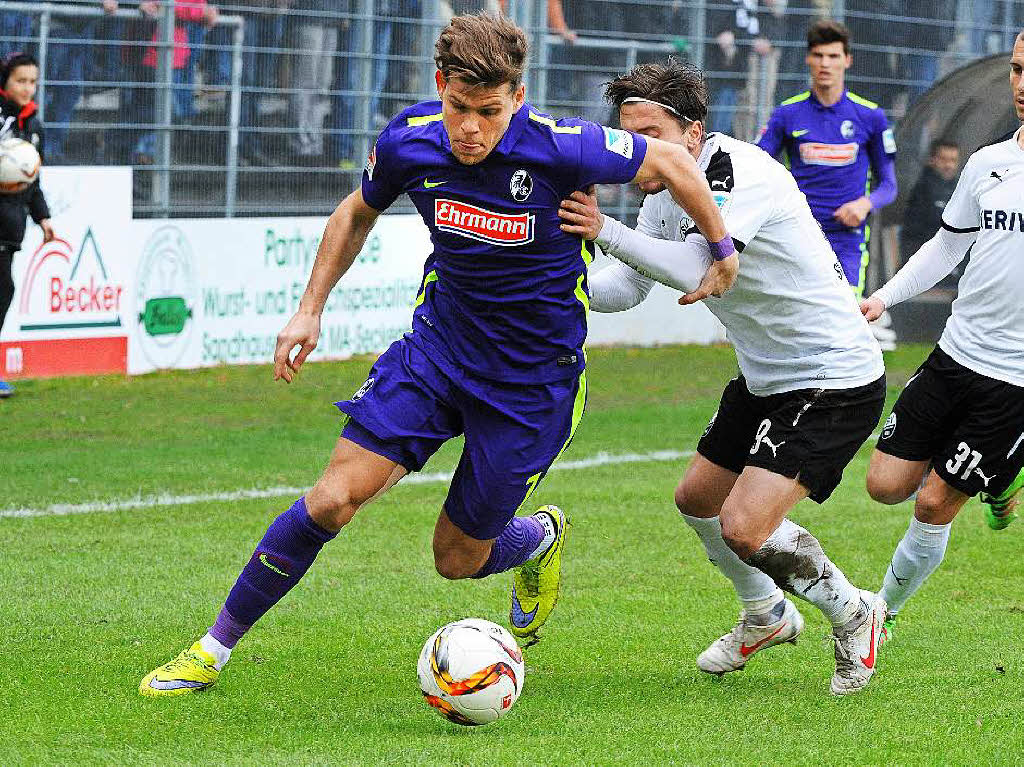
19 118
922 217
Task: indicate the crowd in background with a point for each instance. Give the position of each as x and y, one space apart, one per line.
302 60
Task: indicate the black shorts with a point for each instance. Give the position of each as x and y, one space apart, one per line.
808 434
970 426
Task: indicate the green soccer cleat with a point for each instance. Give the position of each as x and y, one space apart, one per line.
999 512
535 583
192 671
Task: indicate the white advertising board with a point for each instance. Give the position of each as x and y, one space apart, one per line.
72 295
213 291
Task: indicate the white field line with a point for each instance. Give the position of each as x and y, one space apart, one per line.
166 499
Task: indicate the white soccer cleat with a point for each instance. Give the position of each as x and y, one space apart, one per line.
732 651
857 649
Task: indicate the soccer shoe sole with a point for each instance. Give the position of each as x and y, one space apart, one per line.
535 618
795 624
877 621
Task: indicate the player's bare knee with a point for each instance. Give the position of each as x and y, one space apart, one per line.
453 567
331 505
889 490
742 539
934 506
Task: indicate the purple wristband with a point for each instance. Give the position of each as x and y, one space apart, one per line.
722 249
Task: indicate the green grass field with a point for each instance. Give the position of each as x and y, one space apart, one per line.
90 602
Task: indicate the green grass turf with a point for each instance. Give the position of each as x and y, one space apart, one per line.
89 603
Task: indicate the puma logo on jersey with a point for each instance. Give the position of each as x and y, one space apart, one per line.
762 438
984 479
719 182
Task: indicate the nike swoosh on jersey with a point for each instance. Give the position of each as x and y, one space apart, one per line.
428 184
520 619
799 133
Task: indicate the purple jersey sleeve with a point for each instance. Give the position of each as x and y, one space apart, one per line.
382 184
774 134
609 155
881 151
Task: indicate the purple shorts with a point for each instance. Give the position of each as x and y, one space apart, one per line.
410 405
851 248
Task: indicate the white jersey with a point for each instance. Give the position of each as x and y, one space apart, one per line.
986 329
791 314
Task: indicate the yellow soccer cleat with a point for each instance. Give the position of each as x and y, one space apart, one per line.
535 583
192 671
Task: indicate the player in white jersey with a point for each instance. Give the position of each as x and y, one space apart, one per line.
962 412
811 386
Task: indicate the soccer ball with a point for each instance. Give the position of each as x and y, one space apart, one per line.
19 165
471 671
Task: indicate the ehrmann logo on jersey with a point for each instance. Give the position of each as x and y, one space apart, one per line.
64 288
832 155
506 229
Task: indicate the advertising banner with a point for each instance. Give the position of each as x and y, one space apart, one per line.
211 292
71 299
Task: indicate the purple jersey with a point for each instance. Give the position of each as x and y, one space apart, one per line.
504 292
831 149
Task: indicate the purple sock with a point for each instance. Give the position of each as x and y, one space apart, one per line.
514 546
286 552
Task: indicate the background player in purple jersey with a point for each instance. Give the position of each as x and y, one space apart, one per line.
832 138
496 350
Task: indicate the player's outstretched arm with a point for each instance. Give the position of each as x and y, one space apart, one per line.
646 259
344 236
673 166
933 261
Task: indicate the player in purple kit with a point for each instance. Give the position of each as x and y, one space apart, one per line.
496 348
832 138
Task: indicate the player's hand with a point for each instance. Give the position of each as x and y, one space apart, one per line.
853 213
580 215
47 230
717 280
872 308
302 330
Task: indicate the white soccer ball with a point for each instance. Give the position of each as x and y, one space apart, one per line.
471 671
19 164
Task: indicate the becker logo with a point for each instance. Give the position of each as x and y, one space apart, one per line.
833 155
64 288
479 224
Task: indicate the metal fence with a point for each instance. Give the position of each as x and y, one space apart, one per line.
270 107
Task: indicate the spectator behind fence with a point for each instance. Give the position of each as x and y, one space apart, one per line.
317 25
139 103
264 30
15 32
930 33
922 217
736 31
395 35
69 48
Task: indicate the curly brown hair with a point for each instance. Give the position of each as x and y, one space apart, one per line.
482 49
672 82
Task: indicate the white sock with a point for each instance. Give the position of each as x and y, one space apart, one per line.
756 590
915 558
549 535
220 653
795 560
